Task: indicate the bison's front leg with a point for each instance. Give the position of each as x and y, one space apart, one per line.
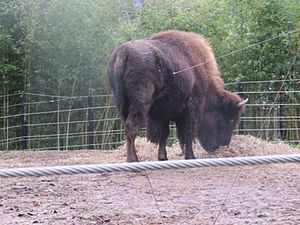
185 134
189 153
162 152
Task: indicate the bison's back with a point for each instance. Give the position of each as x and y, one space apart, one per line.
192 45
143 69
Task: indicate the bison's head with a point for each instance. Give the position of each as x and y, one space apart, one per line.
220 116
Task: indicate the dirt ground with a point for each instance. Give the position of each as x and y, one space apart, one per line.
265 194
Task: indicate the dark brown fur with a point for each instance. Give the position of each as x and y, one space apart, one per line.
147 93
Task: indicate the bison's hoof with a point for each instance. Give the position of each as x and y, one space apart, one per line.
190 157
162 156
163 159
132 159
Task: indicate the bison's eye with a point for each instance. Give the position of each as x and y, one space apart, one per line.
231 121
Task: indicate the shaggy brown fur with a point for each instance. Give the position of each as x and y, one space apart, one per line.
147 93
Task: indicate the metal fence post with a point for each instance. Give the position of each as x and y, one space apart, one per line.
23 144
281 119
90 127
241 94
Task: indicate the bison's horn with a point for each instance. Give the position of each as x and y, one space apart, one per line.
243 103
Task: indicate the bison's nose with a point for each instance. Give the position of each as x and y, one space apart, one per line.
215 148
210 147
226 142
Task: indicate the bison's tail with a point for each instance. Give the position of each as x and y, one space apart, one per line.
116 69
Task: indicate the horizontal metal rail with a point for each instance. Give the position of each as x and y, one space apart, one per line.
56 111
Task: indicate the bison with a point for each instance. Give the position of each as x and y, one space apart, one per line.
148 93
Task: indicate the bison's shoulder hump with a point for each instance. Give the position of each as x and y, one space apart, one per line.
175 34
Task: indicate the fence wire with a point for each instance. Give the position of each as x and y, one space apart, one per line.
41 121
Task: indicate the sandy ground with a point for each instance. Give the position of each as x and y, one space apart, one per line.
265 194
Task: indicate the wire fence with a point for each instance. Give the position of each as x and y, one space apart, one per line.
50 122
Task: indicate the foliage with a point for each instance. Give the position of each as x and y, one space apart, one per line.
232 25
71 44
61 47
12 48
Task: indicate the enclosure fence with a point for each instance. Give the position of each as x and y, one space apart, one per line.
49 122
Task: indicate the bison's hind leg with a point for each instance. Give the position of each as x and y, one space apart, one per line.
158 132
139 107
133 124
